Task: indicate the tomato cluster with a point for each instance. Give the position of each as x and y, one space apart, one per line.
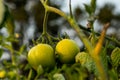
45 55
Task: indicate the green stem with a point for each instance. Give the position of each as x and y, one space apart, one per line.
73 24
97 50
81 35
99 65
45 22
29 75
93 33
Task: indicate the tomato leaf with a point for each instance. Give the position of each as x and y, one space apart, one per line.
115 57
58 76
85 60
104 58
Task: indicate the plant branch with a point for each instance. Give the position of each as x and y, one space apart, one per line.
82 36
45 22
73 24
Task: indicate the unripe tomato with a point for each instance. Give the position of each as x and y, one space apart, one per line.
67 50
41 54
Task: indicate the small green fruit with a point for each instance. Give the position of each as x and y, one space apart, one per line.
41 54
66 50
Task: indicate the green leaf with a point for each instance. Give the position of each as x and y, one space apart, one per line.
88 9
104 58
58 76
93 5
115 57
85 60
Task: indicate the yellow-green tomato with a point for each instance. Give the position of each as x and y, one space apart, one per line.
66 50
41 54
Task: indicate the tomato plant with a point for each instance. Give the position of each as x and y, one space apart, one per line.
58 57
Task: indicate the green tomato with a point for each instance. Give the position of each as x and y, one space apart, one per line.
66 50
41 54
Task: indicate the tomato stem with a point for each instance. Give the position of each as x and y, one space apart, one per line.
45 22
93 33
